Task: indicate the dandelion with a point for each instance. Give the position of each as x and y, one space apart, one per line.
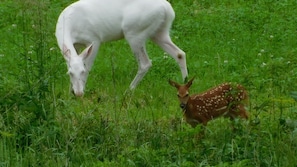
225 61
271 36
262 50
288 62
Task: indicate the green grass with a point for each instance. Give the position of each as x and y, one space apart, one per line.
249 42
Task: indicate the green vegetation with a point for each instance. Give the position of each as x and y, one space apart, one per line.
253 43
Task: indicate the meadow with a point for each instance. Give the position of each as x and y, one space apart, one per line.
253 43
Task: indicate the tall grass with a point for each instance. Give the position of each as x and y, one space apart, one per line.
249 42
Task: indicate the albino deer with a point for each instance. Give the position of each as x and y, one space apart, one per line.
224 100
88 23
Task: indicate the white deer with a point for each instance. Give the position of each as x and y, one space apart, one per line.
88 23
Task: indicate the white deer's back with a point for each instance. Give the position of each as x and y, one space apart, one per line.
105 20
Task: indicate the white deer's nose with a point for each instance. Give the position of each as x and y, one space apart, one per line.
79 94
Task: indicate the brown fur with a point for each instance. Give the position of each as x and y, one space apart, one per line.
226 100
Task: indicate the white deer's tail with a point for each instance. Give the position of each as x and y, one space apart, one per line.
169 15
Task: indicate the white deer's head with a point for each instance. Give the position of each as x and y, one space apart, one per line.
77 69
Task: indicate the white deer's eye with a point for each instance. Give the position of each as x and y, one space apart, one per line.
70 73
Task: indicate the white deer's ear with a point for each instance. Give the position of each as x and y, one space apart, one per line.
87 52
66 52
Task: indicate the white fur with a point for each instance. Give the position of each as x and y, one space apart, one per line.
88 23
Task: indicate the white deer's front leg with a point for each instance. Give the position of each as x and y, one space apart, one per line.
144 63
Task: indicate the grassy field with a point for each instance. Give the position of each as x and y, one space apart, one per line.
253 43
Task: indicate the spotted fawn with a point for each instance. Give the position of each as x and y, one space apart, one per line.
225 100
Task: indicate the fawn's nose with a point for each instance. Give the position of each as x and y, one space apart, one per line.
182 105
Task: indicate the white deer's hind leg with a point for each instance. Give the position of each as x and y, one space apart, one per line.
144 63
164 41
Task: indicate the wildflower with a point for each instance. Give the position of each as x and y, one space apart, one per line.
263 64
225 61
271 36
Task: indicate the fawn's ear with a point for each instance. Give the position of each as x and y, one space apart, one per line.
174 84
186 80
190 82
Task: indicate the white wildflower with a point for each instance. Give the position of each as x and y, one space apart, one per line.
263 64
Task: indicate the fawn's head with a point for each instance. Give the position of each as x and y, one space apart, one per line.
182 92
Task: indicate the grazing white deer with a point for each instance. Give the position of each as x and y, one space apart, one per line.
88 23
